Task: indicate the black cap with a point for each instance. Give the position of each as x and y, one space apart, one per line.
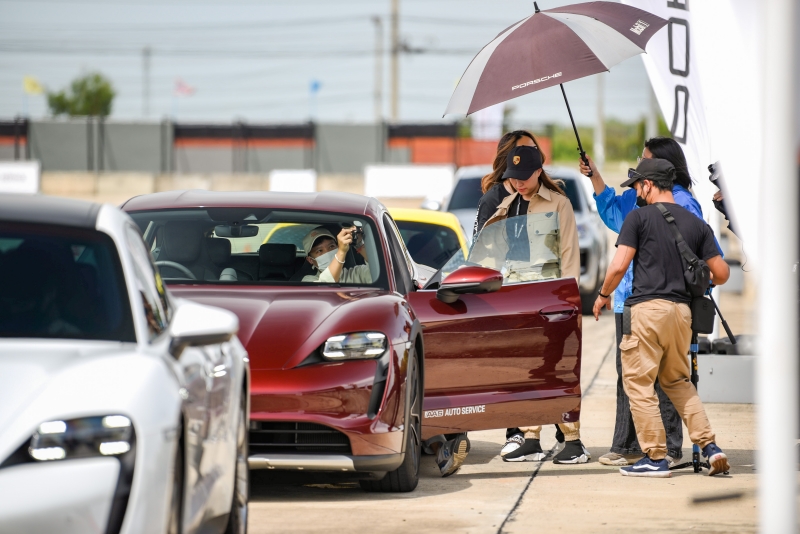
522 162
650 169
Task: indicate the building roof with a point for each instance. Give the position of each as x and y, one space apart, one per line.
43 209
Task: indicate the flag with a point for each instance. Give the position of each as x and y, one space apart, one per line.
183 89
32 86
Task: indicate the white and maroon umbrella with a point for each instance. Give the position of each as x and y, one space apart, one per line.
552 47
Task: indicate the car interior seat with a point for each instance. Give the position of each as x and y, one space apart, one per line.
276 261
219 252
183 242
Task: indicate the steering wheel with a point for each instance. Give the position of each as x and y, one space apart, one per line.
177 267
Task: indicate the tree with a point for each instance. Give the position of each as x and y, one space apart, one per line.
89 95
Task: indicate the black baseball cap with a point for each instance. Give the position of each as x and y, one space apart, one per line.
650 169
522 162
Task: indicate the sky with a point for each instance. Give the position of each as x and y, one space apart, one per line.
255 61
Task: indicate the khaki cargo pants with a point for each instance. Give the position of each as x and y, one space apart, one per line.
657 347
572 431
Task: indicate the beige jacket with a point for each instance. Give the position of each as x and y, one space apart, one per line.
545 201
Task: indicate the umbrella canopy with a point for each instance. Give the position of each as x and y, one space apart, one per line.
552 47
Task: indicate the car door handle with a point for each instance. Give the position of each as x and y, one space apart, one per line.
557 312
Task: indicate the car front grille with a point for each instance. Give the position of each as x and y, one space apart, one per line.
271 437
584 260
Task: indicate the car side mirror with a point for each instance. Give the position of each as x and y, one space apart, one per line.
196 325
469 280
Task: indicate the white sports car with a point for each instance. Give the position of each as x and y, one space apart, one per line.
122 409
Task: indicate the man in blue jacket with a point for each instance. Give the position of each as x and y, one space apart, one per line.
613 209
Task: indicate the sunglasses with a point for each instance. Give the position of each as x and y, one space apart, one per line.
633 174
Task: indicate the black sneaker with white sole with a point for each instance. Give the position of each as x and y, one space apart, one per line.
529 450
574 453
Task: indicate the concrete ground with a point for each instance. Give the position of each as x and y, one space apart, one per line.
488 495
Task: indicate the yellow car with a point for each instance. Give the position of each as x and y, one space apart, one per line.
431 237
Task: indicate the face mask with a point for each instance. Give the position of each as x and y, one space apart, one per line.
324 260
640 201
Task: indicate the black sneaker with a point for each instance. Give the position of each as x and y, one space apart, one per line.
452 454
647 468
574 453
528 450
717 460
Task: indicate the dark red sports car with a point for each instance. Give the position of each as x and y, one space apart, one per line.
338 367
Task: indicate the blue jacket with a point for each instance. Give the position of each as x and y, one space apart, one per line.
614 208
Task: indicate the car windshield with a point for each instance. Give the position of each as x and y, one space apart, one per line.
524 249
259 246
429 244
466 194
570 187
61 283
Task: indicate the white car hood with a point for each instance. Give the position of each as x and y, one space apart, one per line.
27 366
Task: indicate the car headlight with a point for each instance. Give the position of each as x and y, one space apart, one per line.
86 437
356 346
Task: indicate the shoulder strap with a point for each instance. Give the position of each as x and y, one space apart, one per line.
684 250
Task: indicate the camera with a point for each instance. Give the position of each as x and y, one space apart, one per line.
716 174
357 232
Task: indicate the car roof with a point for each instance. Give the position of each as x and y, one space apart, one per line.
323 201
473 171
43 209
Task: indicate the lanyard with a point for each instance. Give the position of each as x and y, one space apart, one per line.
517 226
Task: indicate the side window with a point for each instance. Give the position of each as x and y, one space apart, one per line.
149 285
400 261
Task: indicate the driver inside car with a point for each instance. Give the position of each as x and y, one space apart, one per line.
327 255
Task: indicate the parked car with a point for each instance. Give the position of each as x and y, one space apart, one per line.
431 237
592 233
338 369
122 409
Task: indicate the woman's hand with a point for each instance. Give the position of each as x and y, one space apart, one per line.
597 181
345 238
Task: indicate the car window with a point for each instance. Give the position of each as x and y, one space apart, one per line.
570 187
62 283
150 287
526 248
257 246
400 262
429 244
466 194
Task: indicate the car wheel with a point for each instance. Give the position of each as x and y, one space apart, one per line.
405 477
237 520
175 525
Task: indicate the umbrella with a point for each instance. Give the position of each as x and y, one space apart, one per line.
552 47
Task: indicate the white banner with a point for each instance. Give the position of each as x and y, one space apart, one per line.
409 181
19 176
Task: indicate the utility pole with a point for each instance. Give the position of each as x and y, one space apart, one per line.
600 126
653 112
378 69
146 52
395 74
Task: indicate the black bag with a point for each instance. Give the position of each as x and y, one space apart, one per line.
697 276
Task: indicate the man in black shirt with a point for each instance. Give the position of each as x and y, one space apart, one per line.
660 318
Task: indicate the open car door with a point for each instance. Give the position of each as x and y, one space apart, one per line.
509 357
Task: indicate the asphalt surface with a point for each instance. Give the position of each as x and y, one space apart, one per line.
489 495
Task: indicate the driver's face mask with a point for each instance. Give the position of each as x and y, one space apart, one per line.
324 260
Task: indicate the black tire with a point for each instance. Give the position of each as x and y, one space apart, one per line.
237 520
406 477
175 525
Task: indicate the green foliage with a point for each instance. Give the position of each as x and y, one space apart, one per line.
89 95
624 141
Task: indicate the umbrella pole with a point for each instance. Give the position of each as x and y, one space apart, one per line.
580 147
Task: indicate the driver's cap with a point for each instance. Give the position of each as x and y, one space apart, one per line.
311 237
